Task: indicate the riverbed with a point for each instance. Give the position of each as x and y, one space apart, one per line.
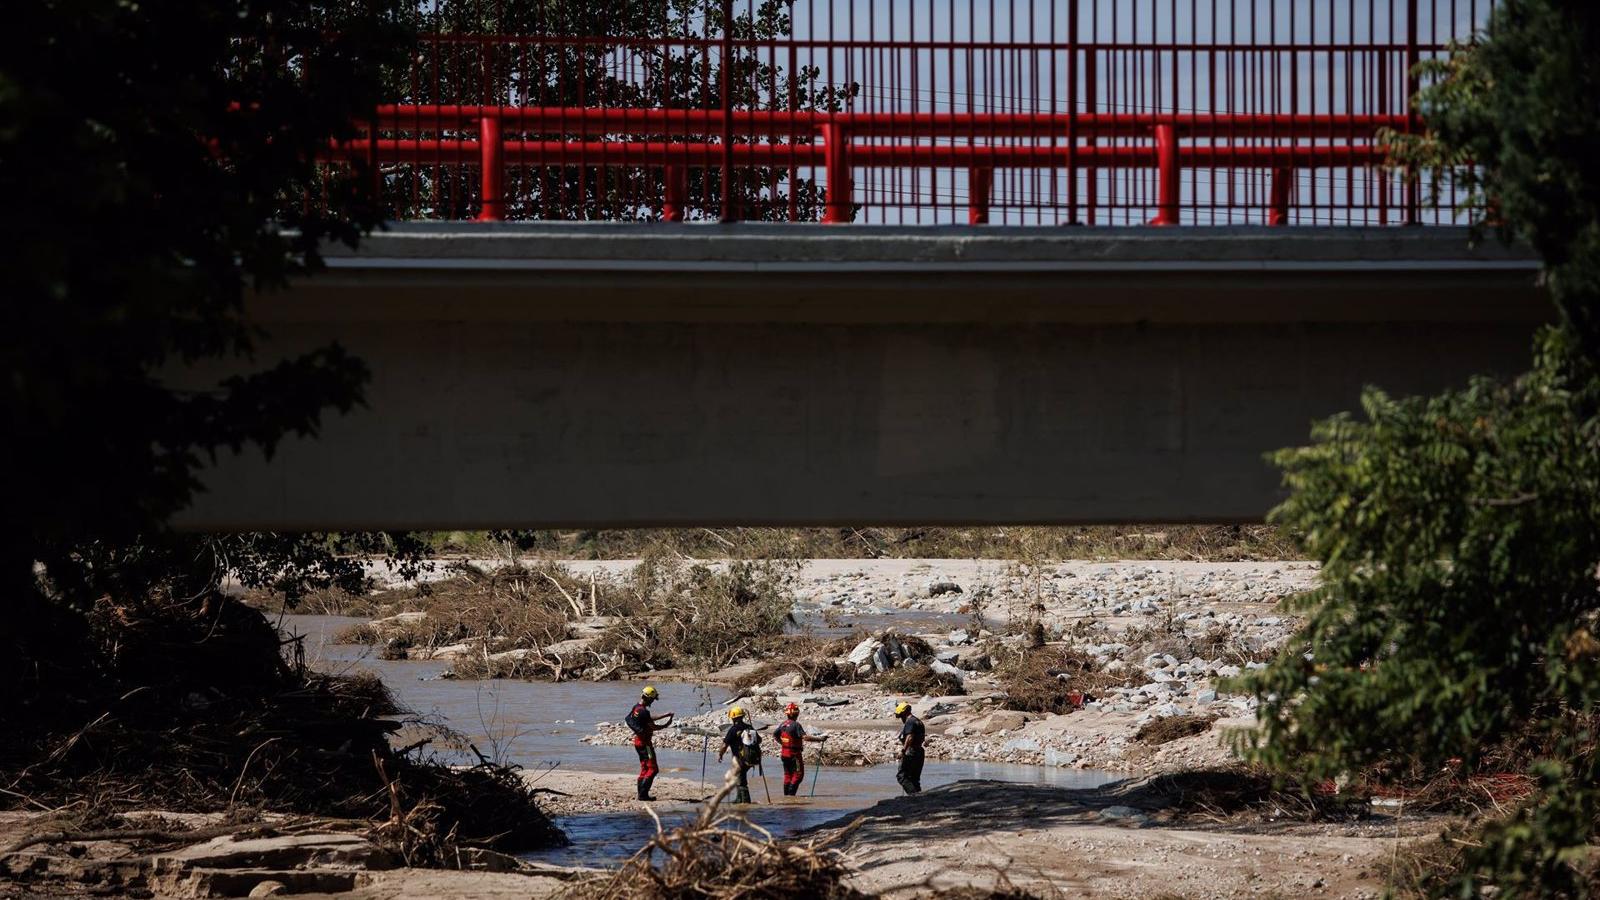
540 726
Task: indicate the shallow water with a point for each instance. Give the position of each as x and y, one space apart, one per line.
539 724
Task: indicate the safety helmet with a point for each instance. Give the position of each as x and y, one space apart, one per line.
792 710
650 692
750 738
902 708
736 713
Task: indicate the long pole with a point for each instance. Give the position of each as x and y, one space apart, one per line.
817 775
764 785
705 750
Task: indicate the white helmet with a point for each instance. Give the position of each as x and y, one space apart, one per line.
750 738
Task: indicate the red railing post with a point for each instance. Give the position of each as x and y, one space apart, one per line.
840 207
1169 186
492 162
1282 181
1413 84
729 212
980 184
676 189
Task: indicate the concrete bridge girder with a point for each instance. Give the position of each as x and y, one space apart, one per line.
622 375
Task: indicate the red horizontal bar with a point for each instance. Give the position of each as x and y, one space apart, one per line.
1235 47
603 120
709 155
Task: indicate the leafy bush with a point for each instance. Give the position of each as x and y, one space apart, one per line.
1459 537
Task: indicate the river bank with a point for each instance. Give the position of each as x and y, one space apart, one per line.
1165 636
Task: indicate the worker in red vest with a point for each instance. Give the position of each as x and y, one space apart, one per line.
644 728
792 739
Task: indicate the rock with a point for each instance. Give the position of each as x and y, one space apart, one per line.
944 668
1000 720
1054 757
881 660
956 731
1167 710
269 888
1205 698
286 852
798 681
565 650
1123 814
1022 743
1156 688
959 637
864 651
398 621
974 659
940 588
947 656
1228 671
451 651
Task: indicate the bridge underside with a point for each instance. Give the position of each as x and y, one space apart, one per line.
613 376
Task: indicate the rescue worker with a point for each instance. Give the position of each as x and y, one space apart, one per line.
644 726
912 734
792 739
741 738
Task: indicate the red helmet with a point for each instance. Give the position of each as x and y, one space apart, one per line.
792 710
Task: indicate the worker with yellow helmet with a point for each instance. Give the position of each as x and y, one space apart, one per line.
912 735
745 743
644 726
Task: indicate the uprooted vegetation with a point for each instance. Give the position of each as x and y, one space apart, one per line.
192 706
542 621
1166 729
1055 679
720 855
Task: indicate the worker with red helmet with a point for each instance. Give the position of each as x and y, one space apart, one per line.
792 738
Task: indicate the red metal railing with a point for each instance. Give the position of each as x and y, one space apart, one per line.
918 111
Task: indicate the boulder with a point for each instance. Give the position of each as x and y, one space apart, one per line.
1054 757
946 669
973 659
864 651
1000 720
1025 744
940 588
960 636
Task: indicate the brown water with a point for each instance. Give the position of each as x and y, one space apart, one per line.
539 724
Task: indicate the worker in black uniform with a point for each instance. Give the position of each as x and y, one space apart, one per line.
912 735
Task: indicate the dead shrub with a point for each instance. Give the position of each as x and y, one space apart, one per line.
1054 680
360 633
1165 729
917 679
693 614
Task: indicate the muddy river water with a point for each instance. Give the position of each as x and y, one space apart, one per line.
539 725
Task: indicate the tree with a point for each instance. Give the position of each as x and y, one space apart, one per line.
618 61
1456 624
155 159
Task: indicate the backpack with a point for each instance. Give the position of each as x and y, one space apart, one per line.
632 721
750 748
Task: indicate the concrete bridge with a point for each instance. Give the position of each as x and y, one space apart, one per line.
629 375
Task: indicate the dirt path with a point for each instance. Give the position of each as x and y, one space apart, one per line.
1083 843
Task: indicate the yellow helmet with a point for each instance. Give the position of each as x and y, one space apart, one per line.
650 693
736 713
902 708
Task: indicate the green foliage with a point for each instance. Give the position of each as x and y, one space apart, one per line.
1521 107
628 71
1459 536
